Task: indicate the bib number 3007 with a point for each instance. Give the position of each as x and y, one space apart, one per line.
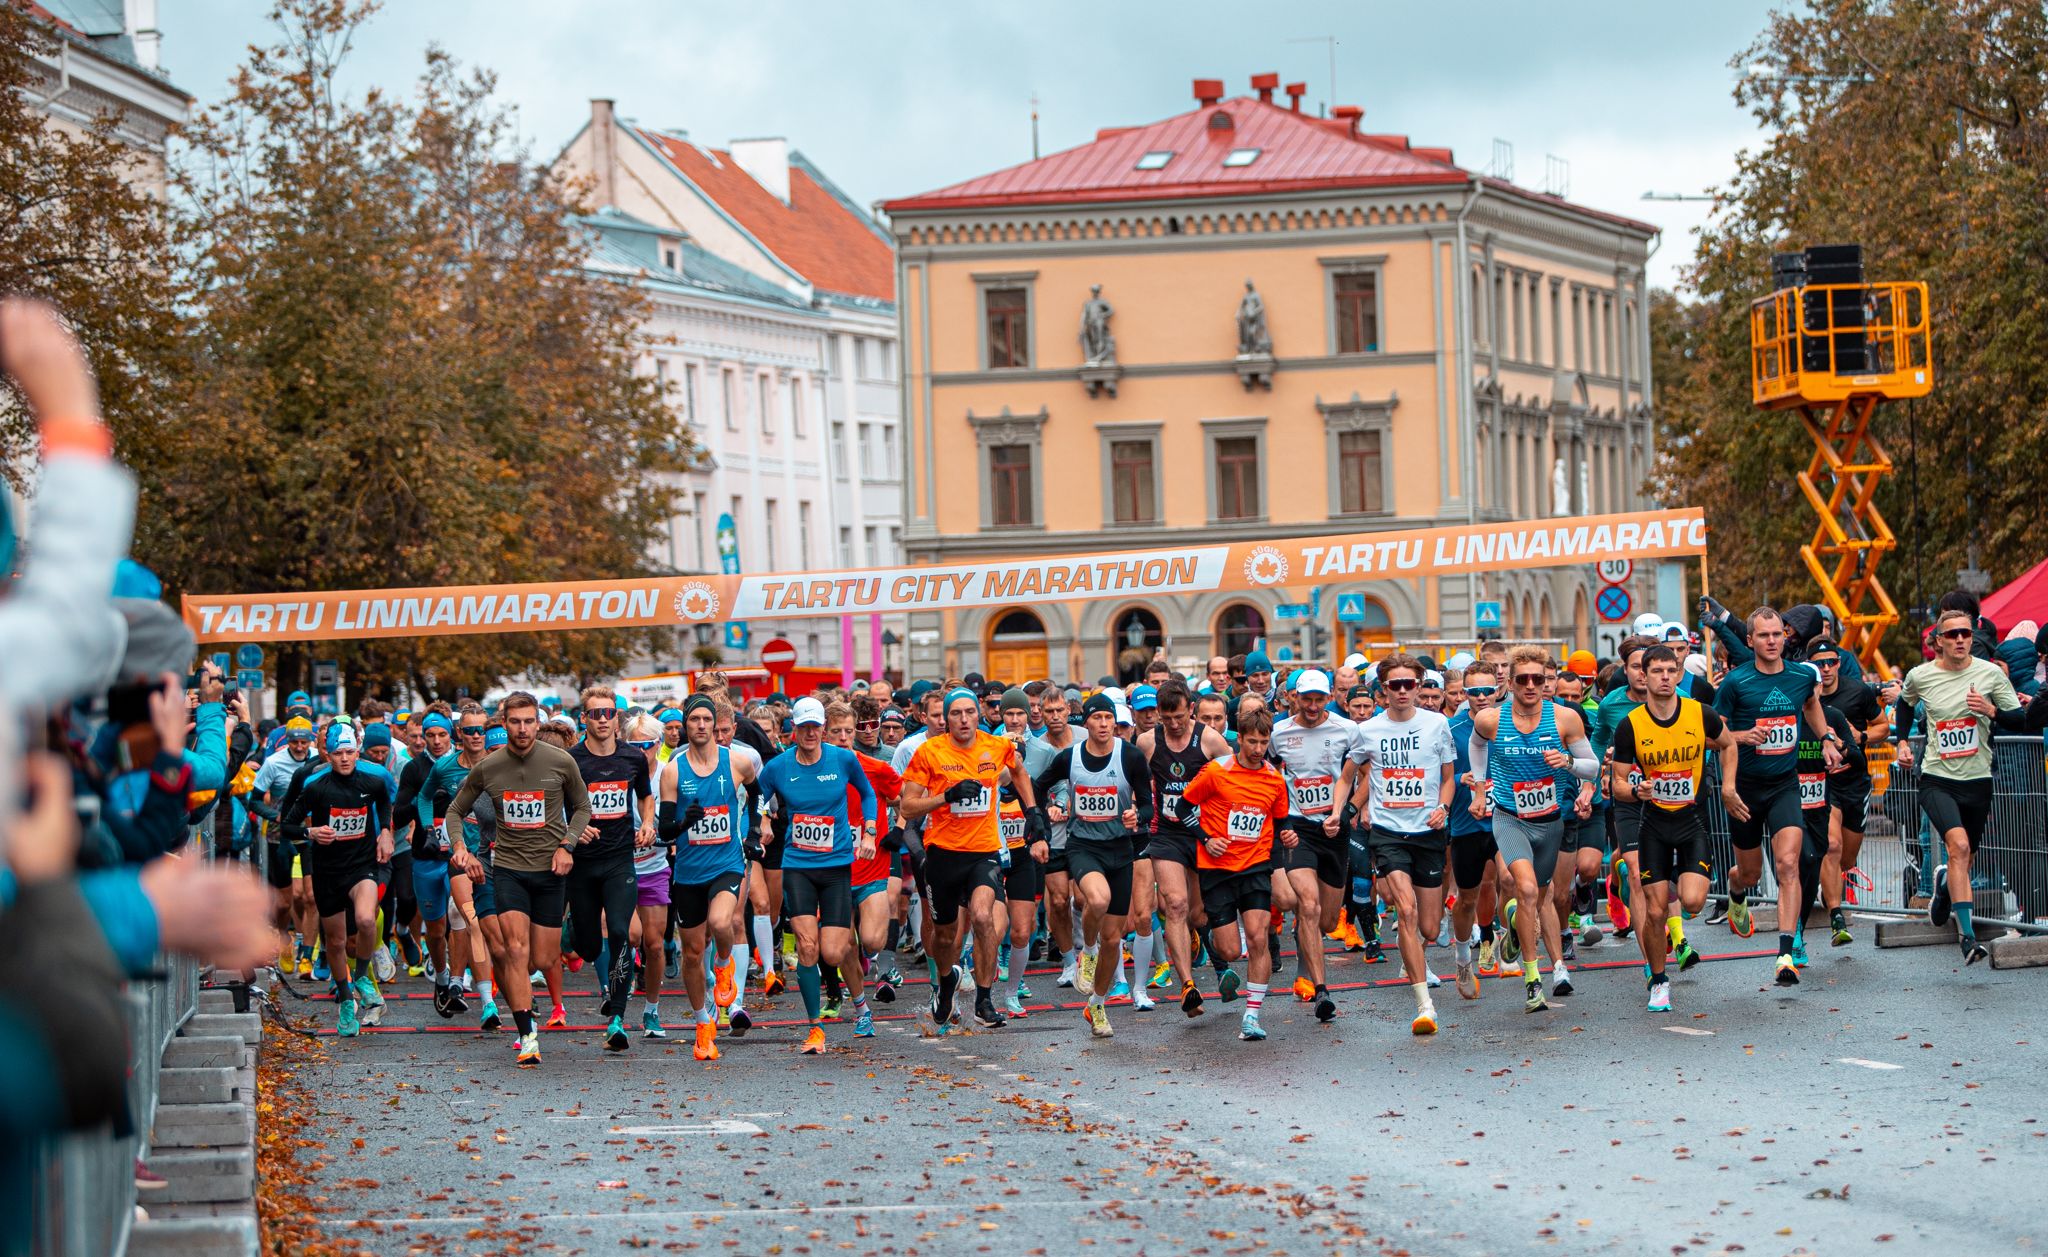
1955 739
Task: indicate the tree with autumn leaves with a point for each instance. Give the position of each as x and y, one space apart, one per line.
388 365
1919 130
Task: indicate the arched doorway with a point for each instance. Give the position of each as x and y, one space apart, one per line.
1239 627
1374 635
1016 648
1135 635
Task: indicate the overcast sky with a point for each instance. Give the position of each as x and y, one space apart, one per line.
892 98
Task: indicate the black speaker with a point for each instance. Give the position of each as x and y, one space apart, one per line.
1788 270
1834 264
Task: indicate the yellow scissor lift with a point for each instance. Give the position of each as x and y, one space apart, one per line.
1833 352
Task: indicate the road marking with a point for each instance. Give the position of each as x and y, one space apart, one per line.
701 1128
1857 1060
1695 1032
776 1113
735 1213
581 1117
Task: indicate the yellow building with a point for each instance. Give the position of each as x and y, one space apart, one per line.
1300 328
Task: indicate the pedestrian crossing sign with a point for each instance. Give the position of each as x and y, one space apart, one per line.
1351 608
1486 615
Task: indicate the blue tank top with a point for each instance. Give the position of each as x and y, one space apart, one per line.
1522 783
711 847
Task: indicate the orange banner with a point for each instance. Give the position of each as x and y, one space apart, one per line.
672 600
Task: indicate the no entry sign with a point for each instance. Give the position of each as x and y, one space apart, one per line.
778 656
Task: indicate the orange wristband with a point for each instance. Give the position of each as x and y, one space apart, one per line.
77 436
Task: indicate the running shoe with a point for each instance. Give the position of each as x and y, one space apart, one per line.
1097 1018
1788 971
1003 962
287 956
1561 981
1510 942
1087 976
1023 991
941 1009
726 988
1973 951
1717 913
1142 1002
772 985
370 1001
1068 972
1660 996
1326 1008
830 1012
738 1022
789 951
320 973
306 967
985 1012
1227 984
529 1049
1162 975
650 1025
885 992
558 1019
1122 990
382 964
441 1002
672 956
488 1016
615 1039
1575 921
1489 963
1687 956
1799 949
706 1046
1304 990
1741 922
1429 977
1468 981
345 1023
1938 902
1535 1003
1249 1029
814 1042
1838 925
415 959
573 963
1590 933
864 1025
894 977
1571 947
1190 1000
1013 1006
1374 953
1425 1021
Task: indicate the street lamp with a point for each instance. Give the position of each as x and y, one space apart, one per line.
703 634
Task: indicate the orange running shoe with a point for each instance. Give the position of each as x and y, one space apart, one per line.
771 986
814 1042
725 992
558 1019
707 1041
1348 935
1304 990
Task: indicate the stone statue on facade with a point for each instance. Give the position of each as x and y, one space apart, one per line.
1252 340
1098 345
1560 489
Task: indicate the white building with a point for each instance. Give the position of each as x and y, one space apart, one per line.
104 61
774 327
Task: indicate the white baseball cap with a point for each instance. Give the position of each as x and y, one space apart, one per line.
1433 679
1123 714
1354 660
1312 681
1649 624
808 711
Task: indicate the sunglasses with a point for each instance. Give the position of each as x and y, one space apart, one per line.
867 724
641 746
1402 684
1826 661
470 731
600 713
1479 691
1529 678
1955 633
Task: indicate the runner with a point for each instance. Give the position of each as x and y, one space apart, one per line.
1313 747
1660 753
1410 782
703 814
1177 751
951 785
1964 697
603 890
1039 754
1240 800
809 784
1023 876
1144 897
345 810
873 888
542 809
1538 752
295 910
726 728
428 829
1763 701
1473 851
1849 789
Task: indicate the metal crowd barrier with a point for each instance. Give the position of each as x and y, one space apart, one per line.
85 1183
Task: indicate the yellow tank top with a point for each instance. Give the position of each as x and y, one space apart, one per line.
1671 757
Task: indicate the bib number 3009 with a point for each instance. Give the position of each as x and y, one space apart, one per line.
811 833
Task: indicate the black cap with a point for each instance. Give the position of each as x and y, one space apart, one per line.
993 689
974 681
1100 702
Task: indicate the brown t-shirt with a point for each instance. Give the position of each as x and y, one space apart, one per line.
540 802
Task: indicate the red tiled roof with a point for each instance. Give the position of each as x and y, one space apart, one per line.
816 234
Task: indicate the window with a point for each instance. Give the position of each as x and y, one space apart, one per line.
1361 488
867 451
888 469
1238 629
1155 160
803 535
703 556
1131 482
1356 295
729 399
871 538
1009 474
894 550
1008 337
764 402
795 400
860 357
661 376
1241 157
768 522
811 644
839 449
668 258
885 352
1237 478
690 394
845 547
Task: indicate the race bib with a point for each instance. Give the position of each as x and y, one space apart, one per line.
1668 786
1955 739
811 833
1246 826
440 833
1781 735
1312 796
608 800
1169 807
1535 798
523 809
976 806
349 822
713 828
1405 787
1813 790
1095 803
1012 826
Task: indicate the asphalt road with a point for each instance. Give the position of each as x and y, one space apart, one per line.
1890 1104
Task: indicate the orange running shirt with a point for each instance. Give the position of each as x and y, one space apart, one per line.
1238 805
939 764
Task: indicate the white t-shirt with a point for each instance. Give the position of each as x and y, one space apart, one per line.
1405 761
1312 760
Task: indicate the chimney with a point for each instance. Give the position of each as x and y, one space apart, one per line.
767 160
138 21
604 152
1264 85
1208 91
1350 114
1295 91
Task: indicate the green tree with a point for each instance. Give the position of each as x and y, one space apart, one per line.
1919 129
403 375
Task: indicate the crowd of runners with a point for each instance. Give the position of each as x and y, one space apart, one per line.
1502 809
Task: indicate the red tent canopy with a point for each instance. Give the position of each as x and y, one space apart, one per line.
2024 599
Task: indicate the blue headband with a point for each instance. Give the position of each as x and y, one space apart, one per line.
437 721
960 692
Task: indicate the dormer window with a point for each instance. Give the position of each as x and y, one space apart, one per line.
668 257
1155 160
1242 157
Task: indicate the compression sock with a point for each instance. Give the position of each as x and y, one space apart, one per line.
895 936
1370 924
764 943
1461 952
650 1006
741 955
1254 996
833 988
1531 970
1965 928
1141 959
1674 927
1784 944
523 1019
1486 931
808 982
